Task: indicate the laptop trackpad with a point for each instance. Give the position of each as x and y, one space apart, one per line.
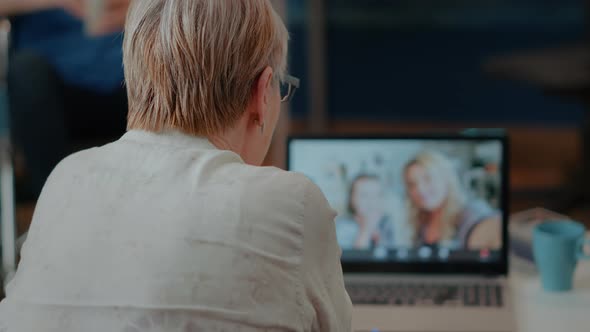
400 319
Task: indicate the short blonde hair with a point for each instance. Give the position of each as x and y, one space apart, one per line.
191 65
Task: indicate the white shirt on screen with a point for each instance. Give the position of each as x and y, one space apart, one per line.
164 232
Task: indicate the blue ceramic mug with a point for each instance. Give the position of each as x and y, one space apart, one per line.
557 247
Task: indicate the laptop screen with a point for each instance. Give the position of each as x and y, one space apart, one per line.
429 200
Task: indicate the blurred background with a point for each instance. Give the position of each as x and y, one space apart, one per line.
387 66
393 66
429 60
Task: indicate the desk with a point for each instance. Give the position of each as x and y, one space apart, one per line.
535 309
539 311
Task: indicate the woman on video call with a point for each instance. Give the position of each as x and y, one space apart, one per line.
439 210
368 226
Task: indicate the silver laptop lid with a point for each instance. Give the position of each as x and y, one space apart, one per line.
415 204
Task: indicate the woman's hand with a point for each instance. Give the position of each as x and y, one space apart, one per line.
486 235
74 7
110 20
368 231
113 19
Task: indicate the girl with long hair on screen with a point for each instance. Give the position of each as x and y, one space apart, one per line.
368 226
441 213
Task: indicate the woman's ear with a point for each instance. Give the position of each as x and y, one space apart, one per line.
261 95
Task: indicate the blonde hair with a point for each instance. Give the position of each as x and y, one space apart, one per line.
436 163
191 65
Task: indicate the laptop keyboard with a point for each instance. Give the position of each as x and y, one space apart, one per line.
406 294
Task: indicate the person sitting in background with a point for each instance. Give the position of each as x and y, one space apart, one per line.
369 226
65 86
440 211
175 226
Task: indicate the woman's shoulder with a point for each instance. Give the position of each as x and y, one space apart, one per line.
476 209
272 184
472 214
280 178
73 164
290 193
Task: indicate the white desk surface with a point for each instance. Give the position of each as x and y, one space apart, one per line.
539 311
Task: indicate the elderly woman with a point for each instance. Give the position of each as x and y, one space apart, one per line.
174 227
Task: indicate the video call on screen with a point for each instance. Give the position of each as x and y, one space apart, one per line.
409 200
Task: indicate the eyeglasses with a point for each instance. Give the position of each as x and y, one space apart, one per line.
289 84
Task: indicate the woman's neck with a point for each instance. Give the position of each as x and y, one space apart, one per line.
432 225
434 216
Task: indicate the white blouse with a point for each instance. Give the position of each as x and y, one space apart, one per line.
164 232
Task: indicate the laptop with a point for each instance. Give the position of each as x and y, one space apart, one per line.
422 223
